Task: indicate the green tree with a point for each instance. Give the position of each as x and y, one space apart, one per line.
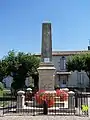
20 65
79 62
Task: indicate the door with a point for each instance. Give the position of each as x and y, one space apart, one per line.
63 81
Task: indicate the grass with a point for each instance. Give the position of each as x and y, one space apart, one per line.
1 95
6 97
3 104
3 92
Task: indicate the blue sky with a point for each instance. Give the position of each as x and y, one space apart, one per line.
21 23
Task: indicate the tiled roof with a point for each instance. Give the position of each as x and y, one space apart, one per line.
66 53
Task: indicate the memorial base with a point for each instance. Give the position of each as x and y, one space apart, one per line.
46 76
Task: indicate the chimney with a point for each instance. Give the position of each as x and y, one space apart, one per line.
89 47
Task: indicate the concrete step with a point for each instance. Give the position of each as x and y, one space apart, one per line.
57 98
51 110
29 103
61 110
60 104
29 109
32 104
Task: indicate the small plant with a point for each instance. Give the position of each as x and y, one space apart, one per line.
57 87
84 108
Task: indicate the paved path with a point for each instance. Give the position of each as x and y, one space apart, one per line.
43 118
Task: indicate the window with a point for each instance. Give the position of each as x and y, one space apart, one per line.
64 81
62 63
80 78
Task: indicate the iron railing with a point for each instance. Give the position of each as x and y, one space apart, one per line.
75 105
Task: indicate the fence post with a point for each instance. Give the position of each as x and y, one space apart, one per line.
34 106
45 108
76 99
71 100
20 100
89 105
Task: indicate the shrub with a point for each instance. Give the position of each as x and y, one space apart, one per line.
57 87
42 96
62 94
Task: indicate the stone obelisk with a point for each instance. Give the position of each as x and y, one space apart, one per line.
46 69
46 49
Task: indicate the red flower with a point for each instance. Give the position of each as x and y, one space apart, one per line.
58 92
41 96
62 94
50 103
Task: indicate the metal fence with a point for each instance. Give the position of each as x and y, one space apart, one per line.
76 105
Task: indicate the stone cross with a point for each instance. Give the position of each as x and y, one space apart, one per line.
46 50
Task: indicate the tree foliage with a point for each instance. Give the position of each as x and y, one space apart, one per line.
20 65
79 62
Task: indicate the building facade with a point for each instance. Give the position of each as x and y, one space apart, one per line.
63 78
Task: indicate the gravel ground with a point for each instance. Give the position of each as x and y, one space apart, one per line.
43 118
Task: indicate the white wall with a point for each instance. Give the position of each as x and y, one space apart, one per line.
8 81
74 78
56 60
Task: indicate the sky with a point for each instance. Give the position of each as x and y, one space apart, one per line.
21 24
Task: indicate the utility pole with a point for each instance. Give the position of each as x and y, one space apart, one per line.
89 45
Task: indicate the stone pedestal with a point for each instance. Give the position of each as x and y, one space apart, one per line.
20 100
71 99
46 76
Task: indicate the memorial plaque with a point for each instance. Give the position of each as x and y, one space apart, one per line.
46 60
